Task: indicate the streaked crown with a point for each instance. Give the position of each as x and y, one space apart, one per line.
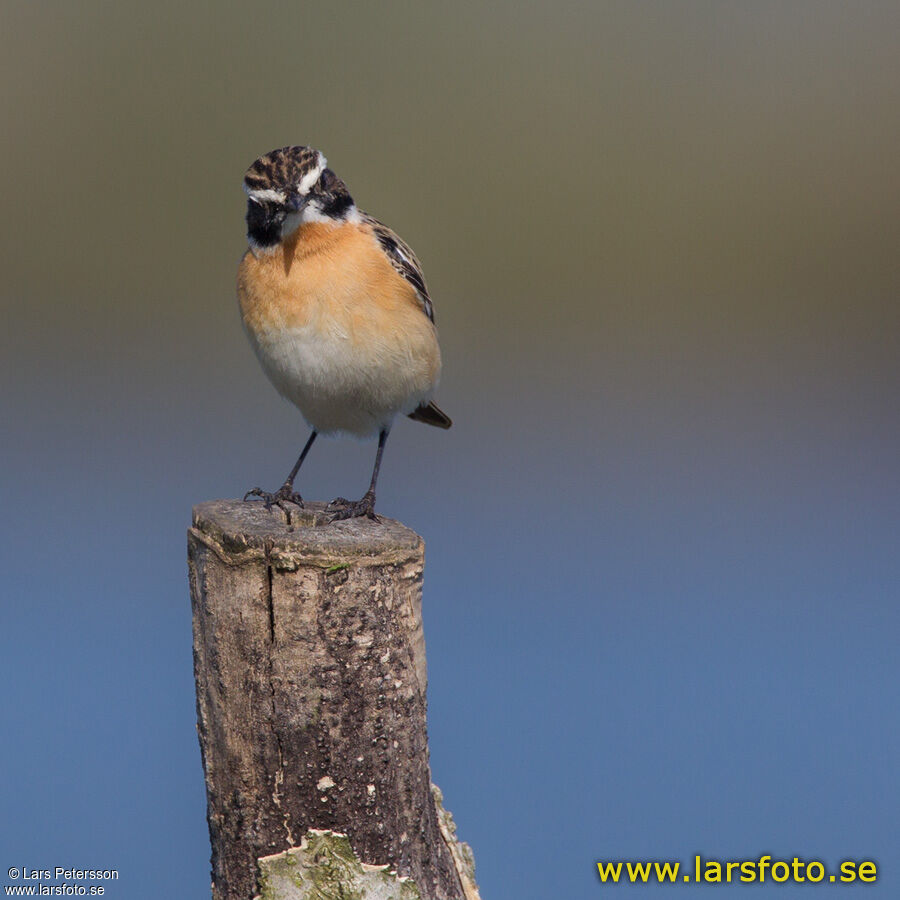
290 187
285 174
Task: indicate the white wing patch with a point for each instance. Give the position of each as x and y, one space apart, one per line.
402 259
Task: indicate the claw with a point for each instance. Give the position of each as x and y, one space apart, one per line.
345 509
284 494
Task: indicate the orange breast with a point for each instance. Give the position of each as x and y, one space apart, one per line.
326 276
338 330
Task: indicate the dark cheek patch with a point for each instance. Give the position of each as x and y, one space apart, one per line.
335 205
263 227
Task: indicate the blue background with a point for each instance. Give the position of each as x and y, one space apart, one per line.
661 589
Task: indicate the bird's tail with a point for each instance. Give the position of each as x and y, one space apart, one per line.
431 415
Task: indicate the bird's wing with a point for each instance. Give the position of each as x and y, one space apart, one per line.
402 259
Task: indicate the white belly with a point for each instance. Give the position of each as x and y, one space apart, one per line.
342 384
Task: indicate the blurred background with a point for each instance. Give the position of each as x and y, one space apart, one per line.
662 582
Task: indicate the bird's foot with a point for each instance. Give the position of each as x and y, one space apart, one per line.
284 494
339 508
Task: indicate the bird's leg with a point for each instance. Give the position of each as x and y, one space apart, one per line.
345 509
286 493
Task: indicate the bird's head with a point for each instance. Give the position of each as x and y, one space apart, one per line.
288 187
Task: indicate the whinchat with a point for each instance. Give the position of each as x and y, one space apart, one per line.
336 308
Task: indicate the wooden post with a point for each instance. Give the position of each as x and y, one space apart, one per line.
309 660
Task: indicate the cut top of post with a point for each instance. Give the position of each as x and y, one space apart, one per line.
238 531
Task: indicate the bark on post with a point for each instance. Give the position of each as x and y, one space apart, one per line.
309 659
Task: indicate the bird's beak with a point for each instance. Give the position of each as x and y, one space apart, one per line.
296 202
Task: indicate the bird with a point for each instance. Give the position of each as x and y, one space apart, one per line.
337 311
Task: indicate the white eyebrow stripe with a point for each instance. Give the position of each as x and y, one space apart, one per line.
311 177
267 194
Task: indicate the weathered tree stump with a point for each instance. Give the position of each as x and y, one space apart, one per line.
309 659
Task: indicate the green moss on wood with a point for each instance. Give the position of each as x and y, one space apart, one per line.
324 867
